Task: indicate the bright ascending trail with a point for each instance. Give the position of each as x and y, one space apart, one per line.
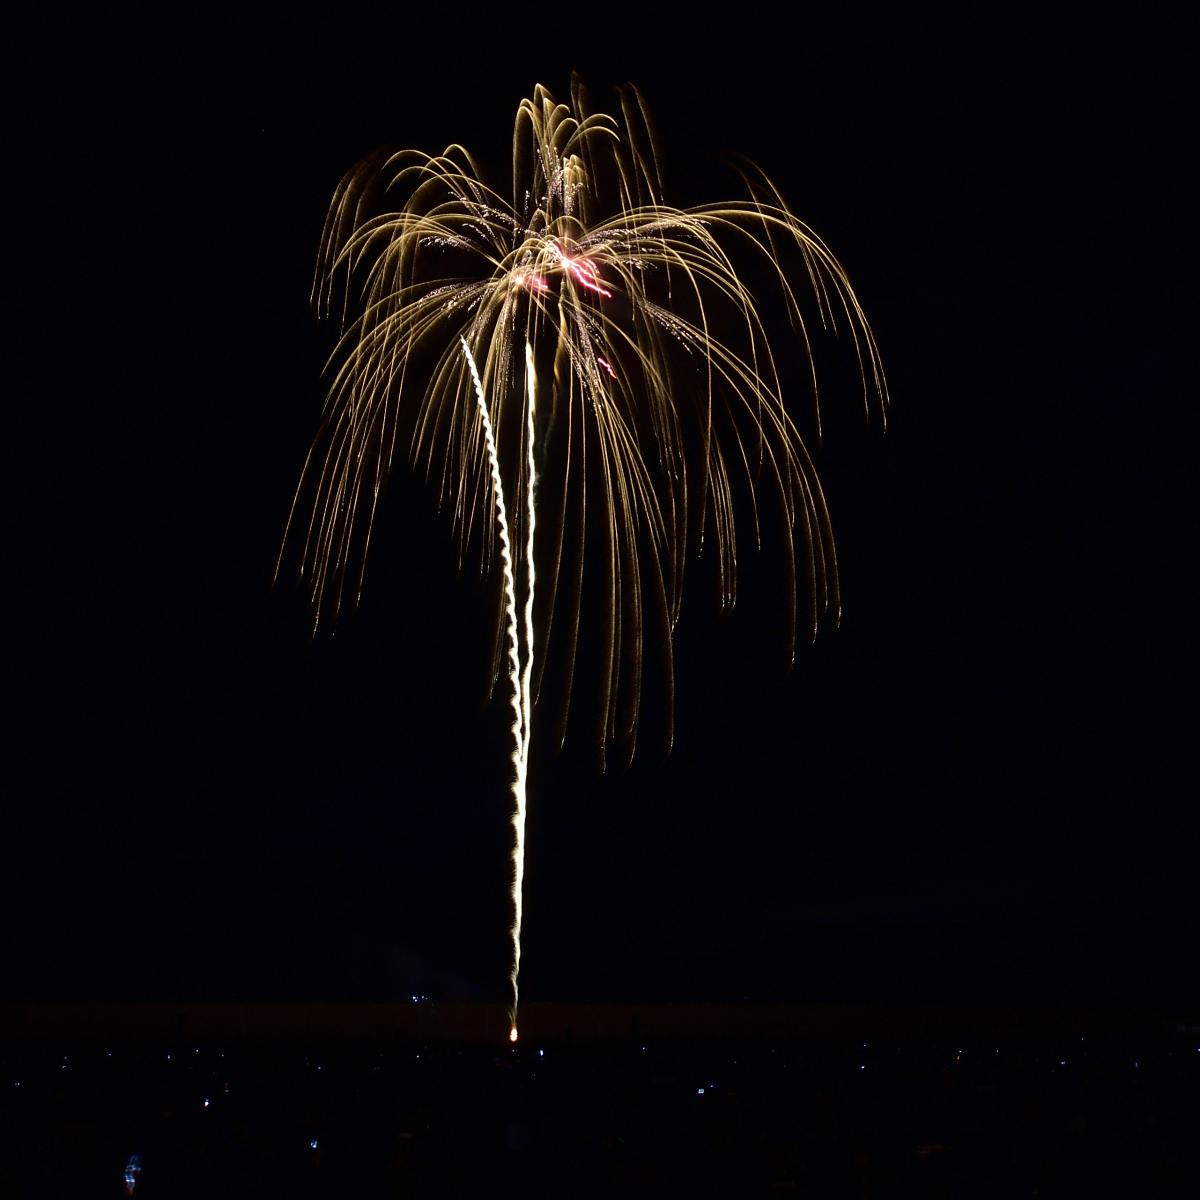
519 673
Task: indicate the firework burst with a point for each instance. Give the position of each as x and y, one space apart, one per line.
662 395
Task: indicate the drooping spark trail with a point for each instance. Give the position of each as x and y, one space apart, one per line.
519 674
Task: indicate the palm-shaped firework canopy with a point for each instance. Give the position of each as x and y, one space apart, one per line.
664 383
658 381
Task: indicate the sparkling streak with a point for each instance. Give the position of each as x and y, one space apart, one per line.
519 674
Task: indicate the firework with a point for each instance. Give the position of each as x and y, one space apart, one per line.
664 397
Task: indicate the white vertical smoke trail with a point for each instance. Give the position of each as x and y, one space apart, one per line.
519 676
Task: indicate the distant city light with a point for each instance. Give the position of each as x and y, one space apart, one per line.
312 1145
207 1101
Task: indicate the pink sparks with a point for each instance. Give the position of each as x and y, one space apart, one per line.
605 364
582 272
535 283
585 275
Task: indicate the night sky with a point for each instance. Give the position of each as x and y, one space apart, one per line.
977 790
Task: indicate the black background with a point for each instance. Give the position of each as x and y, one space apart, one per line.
978 789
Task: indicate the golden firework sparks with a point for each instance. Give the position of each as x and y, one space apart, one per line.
663 388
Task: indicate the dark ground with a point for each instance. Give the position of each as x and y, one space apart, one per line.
821 1103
